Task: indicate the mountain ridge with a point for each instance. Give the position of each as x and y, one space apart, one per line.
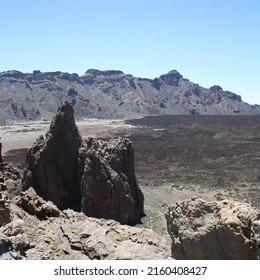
112 94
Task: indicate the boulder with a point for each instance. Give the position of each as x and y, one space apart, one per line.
109 186
213 230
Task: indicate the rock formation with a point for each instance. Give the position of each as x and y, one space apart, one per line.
214 230
5 216
70 235
52 162
93 176
35 205
1 158
109 187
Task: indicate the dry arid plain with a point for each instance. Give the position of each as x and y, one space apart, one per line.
176 157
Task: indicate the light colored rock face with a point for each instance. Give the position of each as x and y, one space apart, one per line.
213 230
35 205
72 235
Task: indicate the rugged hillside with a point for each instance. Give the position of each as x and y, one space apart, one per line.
111 94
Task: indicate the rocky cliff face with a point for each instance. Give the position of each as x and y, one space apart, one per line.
95 177
222 230
111 94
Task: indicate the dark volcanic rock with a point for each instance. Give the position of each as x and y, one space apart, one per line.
5 216
172 78
94 176
52 162
109 187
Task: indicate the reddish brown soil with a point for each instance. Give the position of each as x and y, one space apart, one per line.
220 153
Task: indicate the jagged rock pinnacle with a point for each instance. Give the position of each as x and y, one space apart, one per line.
92 176
52 163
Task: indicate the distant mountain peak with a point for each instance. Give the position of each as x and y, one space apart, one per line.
175 72
171 78
96 72
216 88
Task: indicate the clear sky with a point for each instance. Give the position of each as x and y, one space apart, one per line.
210 42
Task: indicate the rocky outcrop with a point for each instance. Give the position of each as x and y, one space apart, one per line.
10 172
5 216
52 162
35 205
171 78
9 177
93 176
213 230
72 235
109 186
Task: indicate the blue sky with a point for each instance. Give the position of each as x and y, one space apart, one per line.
210 42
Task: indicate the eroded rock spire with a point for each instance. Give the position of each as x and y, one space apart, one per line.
91 176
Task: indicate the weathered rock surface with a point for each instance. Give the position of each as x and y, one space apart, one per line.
72 235
93 176
9 171
5 216
213 230
52 168
10 184
35 205
109 186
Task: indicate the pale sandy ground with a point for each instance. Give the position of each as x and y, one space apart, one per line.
23 135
